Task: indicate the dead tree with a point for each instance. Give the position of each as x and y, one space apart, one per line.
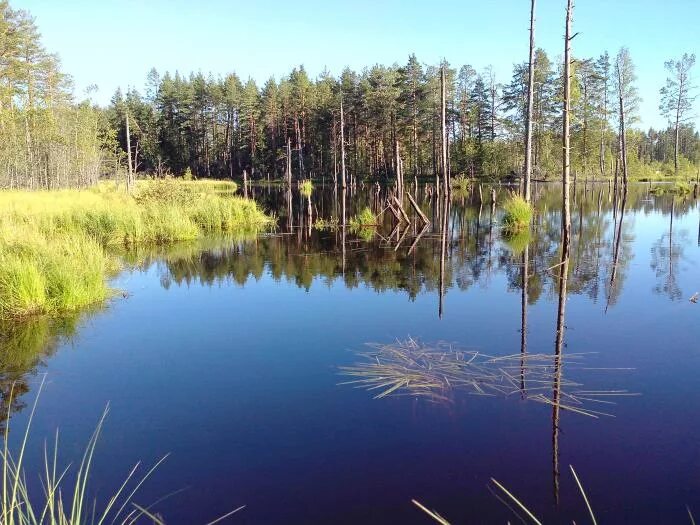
342 142
530 101
130 174
443 125
566 139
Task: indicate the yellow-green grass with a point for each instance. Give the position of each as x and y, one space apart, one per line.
517 216
55 251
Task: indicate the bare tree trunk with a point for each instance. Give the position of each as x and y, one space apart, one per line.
566 209
530 99
443 125
289 162
342 144
130 174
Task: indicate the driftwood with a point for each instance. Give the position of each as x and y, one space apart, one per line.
403 213
417 209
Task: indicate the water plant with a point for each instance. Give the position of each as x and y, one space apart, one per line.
517 214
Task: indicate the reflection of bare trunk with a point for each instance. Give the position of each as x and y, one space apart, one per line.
523 317
670 241
558 364
617 235
443 249
290 218
309 212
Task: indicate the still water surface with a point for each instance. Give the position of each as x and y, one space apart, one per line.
227 355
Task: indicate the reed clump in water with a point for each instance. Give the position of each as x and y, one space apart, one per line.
517 216
54 253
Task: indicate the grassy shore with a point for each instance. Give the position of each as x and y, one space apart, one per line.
55 246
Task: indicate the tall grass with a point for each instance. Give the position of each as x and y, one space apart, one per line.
517 216
54 245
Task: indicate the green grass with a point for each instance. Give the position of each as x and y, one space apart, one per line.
56 247
517 216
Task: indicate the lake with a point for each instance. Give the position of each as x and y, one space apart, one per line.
231 356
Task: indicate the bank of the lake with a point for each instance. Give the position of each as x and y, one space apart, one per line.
57 247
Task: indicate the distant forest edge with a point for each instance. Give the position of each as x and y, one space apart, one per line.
223 127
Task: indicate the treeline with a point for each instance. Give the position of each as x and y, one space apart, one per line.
226 127
47 140
220 127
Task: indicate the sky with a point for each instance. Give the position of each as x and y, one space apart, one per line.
114 43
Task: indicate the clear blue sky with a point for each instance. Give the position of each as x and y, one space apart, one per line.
114 43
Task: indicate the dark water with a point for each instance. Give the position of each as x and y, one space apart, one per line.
226 355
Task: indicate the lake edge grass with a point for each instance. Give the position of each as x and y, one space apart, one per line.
56 247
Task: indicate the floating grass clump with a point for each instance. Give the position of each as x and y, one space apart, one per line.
517 216
55 245
306 187
436 371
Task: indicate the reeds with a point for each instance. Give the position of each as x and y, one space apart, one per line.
436 371
65 495
65 498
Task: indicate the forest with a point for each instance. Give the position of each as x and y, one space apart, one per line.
205 125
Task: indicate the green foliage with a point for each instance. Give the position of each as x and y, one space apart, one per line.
517 215
52 243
